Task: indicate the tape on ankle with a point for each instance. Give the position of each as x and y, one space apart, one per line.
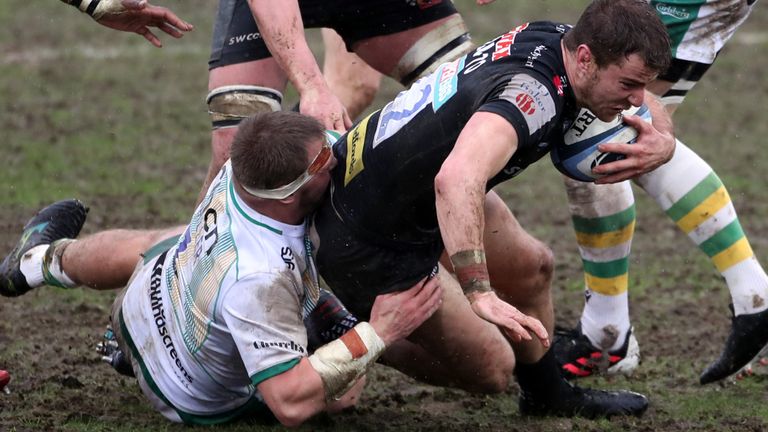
53 272
341 362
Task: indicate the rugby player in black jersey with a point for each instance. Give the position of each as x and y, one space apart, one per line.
412 180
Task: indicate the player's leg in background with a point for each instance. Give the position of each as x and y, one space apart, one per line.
237 91
603 218
348 76
243 80
693 196
416 52
701 35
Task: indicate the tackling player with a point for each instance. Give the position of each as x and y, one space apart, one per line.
211 321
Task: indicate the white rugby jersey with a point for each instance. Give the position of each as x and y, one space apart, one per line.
221 311
698 29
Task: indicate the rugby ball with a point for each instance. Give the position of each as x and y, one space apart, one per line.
577 155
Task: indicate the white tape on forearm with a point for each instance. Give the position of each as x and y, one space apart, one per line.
341 362
98 8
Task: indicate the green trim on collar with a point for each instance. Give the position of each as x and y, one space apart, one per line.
245 215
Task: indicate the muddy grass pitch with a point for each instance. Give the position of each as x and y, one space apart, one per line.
99 116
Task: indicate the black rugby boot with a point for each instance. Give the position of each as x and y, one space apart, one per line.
62 219
545 392
749 334
111 353
578 358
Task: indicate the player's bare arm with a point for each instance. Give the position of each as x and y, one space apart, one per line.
655 145
134 16
484 146
334 370
283 31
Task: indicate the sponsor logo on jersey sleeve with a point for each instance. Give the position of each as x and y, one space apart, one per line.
533 100
355 146
525 103
534 55
505 42
400 111
283 345
513 171
558 82
446 82
676 12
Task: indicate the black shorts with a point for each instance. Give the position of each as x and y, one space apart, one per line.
236 38
358 268
684 74
684 69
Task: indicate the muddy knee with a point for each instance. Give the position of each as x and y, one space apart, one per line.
545 264
494 379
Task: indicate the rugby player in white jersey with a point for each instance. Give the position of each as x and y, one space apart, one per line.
212 321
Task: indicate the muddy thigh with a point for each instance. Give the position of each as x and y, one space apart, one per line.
455 347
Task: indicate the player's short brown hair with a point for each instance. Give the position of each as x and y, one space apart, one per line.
615 29
270 149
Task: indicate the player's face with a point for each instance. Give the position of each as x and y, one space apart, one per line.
612 89
314 190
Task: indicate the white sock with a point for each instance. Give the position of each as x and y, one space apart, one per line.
31 265
674 184
605 320
748 284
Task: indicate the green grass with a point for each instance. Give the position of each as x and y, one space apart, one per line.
129 134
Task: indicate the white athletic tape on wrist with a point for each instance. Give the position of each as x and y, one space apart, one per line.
228 105
98 8
341 362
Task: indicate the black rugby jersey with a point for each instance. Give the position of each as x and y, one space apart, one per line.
383 184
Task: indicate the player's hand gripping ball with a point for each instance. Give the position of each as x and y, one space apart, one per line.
578 154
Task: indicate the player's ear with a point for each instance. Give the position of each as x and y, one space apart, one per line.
584 58
290 199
